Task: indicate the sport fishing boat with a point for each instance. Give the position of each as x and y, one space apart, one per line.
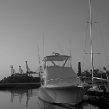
59 82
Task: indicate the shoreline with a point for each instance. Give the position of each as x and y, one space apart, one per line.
19 85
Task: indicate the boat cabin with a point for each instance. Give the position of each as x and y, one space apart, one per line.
57 69
57 60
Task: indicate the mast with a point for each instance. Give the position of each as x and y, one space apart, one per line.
38 55
90 22
43 46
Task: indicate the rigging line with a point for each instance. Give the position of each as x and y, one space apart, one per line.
85 45
95 13
86 38
38 55
43 39
43 46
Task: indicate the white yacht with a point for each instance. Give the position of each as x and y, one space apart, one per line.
60 84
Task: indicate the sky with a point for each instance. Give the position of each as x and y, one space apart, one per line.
60 24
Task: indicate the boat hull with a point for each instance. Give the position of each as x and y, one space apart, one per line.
65 94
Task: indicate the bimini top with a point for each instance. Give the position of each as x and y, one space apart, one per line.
56 57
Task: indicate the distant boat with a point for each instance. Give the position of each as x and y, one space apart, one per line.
60 84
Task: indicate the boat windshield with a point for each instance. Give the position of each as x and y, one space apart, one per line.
62 61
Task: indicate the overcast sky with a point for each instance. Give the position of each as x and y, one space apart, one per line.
63 26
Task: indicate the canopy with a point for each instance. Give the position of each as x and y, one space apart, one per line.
56 58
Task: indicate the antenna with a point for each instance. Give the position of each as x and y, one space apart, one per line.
43 45
40 67
70 53
38 55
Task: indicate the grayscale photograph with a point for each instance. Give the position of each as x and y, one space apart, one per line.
54 54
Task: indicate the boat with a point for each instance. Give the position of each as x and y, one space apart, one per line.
99 85
59 82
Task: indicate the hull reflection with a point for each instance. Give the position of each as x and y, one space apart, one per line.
29 99
22 93
47 105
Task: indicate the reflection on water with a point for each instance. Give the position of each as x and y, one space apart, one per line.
28 99
22 93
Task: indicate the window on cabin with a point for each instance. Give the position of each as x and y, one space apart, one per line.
61 62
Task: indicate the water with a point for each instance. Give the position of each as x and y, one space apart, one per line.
28 99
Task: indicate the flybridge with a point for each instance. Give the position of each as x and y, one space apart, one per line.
56 57
58 60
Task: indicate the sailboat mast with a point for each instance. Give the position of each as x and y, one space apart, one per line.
38 55
43 45
90 22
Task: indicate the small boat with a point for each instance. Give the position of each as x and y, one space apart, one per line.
59 82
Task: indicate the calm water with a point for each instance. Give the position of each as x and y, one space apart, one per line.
28 99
